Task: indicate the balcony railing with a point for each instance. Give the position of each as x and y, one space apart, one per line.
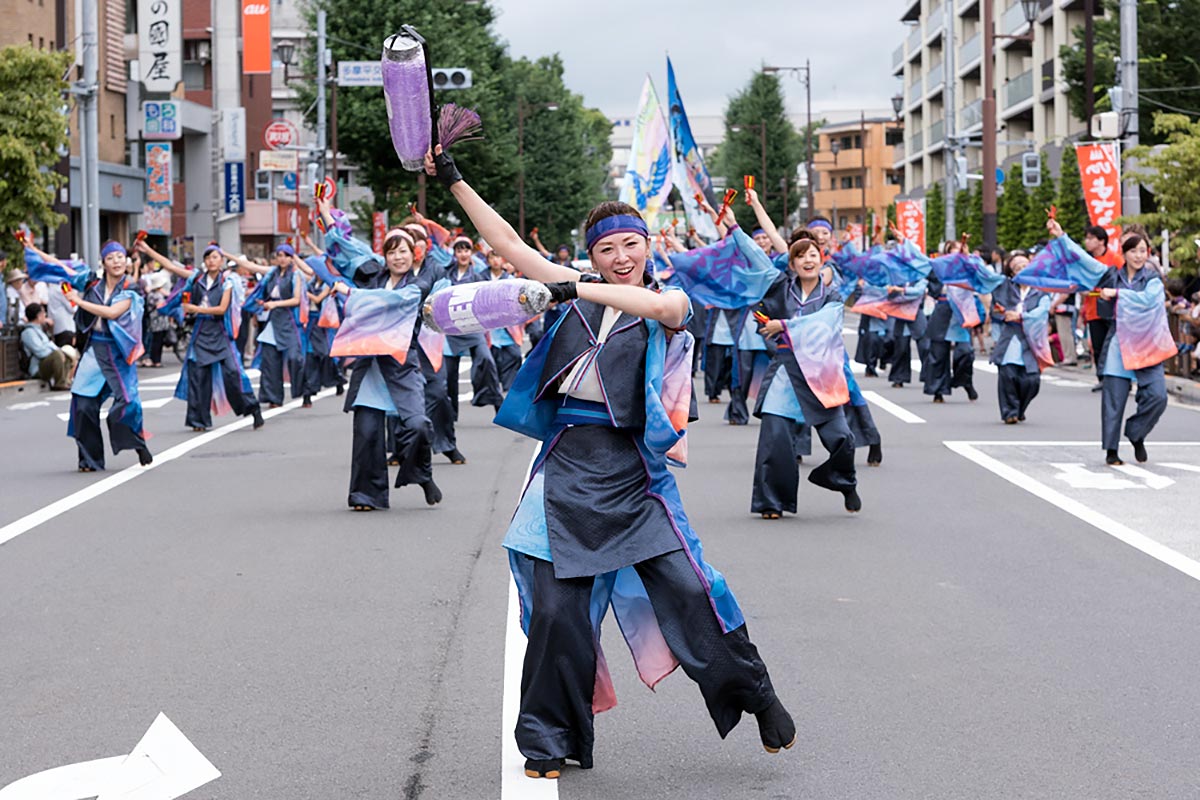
937 132
914 39
1013 19
1019 89
918 142
970 51
972 114
933 22
898 57
915 92
898 153
935 79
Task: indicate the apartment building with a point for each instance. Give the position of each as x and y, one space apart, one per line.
942 54
853 169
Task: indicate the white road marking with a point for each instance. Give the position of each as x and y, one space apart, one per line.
163 766
1123 533
158 402
1184 467
514 785
1078 476
94 490
27 406
901 413
1151 480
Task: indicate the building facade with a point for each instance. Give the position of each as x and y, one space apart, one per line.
940 66
855 179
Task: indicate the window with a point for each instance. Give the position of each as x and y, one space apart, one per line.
262 185
848 183
858 182
852 142
193 76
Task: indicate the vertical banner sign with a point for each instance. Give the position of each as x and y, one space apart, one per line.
256 37
379 221
1100 171
235 187
157 211
910 219
691 176
160 44
647 180
233 134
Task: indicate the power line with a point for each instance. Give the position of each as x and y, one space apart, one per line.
1168 106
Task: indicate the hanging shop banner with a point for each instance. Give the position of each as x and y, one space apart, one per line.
910 219
379 221
256 37
1100 170
160 44
158 172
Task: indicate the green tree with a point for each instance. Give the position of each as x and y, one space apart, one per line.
935 216
974 225
1040 199
32 131
760 103
1174 176
1072 213
1012 212
1168 69
963 223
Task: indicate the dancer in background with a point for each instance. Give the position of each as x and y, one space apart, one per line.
601 520
281 342
320 369
110 316
214 299
1022 346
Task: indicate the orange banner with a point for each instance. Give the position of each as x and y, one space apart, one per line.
256 37
1100 170
291 219
910 220
379 221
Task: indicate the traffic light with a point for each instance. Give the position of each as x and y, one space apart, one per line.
452 78
1031 169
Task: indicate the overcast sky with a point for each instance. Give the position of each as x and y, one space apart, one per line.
608 47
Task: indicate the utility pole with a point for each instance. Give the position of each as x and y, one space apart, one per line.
950 151
989 127
227 94
862 152
1131 199
808 134
1089 62
89 135
63 239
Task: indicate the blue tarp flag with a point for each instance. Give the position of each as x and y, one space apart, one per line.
966 271
1063 266
690 175
731 273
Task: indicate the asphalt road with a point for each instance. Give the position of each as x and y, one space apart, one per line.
962 637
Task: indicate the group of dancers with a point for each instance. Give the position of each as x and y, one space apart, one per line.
607 390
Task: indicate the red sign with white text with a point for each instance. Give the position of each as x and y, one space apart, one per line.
280 134
1100 171
256 37
379 221
291 220
910 220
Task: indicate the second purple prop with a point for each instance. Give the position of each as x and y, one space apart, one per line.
406 94
485 306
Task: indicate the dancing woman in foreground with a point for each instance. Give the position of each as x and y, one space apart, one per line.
601 522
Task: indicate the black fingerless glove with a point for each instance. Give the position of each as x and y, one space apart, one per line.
563 291
447 171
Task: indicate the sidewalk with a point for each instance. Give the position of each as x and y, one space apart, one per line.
32 389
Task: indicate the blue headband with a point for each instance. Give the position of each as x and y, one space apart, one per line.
757 231
621 223
212 246
820 223
110 248
285 248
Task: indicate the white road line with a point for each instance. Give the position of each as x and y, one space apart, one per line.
1076 509
514 785
94 490
1184 467
157 402
1043 443
899 412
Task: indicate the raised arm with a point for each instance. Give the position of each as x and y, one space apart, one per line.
245 263
98 309
670 308
537 242
167 264
493 227
216 311
764 222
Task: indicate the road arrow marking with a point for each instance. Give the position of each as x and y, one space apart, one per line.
1184 467
1152 480
163 766
1077 476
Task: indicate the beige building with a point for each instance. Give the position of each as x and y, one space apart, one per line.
854 174
1031 101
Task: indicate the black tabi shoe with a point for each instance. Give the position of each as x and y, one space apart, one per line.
1098 387
307 401
1113 459
393 461
258 418
870 373
972 395
853 501
1021 418
937 398
341 390
775 728
1010 421
543 769
897 385
1139 452
455 456
771 515
799 459
433 495
875 455
144 457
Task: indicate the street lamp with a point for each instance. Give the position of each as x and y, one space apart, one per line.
761 127
285 51
1029 8
523 110
897 104
803 74
835 147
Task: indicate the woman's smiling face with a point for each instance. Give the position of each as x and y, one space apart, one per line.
621 258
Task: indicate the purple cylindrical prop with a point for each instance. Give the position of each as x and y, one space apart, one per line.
406 94
485 306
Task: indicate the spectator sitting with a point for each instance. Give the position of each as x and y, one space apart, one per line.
47 361
21 292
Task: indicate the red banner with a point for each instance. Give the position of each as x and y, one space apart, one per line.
379 221
910 220
1100 171
291 219
256 37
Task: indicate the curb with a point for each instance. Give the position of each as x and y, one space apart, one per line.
31 389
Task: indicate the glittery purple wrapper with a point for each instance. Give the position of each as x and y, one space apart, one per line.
485 306
406 91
